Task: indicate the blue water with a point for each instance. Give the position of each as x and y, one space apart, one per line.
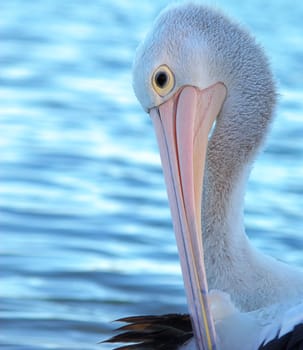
85 227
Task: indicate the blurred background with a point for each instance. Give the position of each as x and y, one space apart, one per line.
85 229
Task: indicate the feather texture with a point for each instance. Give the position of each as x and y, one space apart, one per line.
153 332
174 331
292 340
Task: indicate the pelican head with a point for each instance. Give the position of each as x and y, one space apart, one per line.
197 70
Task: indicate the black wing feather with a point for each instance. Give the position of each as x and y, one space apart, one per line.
153 332
290 341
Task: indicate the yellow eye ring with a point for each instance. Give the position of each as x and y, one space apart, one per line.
163 80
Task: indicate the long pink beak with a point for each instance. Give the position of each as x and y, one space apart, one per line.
182 126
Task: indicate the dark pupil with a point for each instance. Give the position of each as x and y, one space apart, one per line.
161 79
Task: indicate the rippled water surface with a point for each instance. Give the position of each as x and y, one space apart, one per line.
85 227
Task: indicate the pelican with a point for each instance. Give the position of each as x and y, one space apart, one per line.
209 91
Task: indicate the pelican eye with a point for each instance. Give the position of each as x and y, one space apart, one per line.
163 80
